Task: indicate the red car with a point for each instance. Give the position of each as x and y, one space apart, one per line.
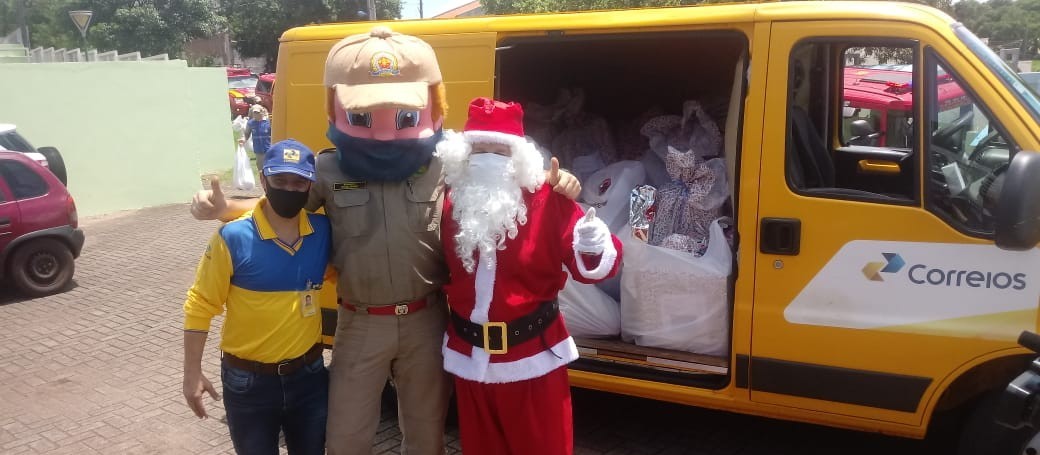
265 90
39 229
241 90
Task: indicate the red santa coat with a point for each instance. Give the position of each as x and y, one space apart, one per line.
528 272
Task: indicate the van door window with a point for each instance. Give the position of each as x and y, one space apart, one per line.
967 148
850 124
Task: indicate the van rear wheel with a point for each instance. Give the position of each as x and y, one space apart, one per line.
982 434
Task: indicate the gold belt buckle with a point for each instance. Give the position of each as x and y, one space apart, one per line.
401 309
503 332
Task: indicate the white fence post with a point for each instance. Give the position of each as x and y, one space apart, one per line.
129 57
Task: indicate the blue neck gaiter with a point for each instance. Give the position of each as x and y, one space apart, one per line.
382 161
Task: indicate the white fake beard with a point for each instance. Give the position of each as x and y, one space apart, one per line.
488 208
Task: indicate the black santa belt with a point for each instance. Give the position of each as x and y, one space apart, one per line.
497 337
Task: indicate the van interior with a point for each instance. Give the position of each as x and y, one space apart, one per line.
627 79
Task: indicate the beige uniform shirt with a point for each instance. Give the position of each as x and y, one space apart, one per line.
385 235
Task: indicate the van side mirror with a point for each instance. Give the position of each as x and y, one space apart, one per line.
1017 196
861 127
862 133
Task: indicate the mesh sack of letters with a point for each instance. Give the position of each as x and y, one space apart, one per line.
694 130
582 133
674 300
687 206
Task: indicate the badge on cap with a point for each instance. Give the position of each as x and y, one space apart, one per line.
291 155
384 64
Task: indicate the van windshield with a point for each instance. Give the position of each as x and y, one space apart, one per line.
1006 75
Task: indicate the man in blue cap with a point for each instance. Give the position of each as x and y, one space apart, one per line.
265 269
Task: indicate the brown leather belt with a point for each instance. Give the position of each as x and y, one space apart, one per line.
283 368
400 309
497 337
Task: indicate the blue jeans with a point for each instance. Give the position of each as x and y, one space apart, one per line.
259 405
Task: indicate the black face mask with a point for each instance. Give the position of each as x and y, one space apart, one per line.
285 203
382 161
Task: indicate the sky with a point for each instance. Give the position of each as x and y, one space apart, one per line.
410 8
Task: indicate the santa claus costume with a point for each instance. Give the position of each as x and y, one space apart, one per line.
508 239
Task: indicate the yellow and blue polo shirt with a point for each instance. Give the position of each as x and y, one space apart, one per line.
261 282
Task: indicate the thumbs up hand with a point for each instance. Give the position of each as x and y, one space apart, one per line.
209 204
590 234
562 181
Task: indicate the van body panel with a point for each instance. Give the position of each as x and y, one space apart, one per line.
804 343
826 331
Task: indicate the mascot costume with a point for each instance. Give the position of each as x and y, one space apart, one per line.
381 190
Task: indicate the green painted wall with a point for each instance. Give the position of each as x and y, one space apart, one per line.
133 134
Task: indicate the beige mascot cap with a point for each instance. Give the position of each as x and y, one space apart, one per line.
381 69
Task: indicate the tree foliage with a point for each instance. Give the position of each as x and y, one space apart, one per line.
153 27
149 26
1008 23
256 25
545 6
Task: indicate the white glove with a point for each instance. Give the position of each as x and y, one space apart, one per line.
590 234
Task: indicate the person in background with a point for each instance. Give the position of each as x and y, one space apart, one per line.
266 270
258 129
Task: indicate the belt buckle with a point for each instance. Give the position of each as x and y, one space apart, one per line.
503 332
401 309
283 364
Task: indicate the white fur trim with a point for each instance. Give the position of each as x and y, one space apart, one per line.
493 137
484 287
606 259
477 367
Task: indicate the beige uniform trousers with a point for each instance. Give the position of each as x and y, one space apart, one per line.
367 350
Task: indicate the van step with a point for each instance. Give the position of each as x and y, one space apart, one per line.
615 350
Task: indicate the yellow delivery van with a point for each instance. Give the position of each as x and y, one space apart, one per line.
877 288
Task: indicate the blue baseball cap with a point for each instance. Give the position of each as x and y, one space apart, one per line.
289 156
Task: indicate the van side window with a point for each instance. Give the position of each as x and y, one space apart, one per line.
850 121
967 149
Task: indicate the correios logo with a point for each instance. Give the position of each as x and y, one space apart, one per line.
893 264
922 274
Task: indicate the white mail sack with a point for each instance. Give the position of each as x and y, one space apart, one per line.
588 311
242 174
608 190
674 300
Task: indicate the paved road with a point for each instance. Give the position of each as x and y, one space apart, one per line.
97 369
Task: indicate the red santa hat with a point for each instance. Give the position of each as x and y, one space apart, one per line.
495 122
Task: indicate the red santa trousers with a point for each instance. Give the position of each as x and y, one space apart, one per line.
530 417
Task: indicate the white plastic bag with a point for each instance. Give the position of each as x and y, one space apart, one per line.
238 126
588 311
242 175
608 190
674 300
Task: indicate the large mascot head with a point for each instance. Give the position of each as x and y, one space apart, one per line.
385 102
